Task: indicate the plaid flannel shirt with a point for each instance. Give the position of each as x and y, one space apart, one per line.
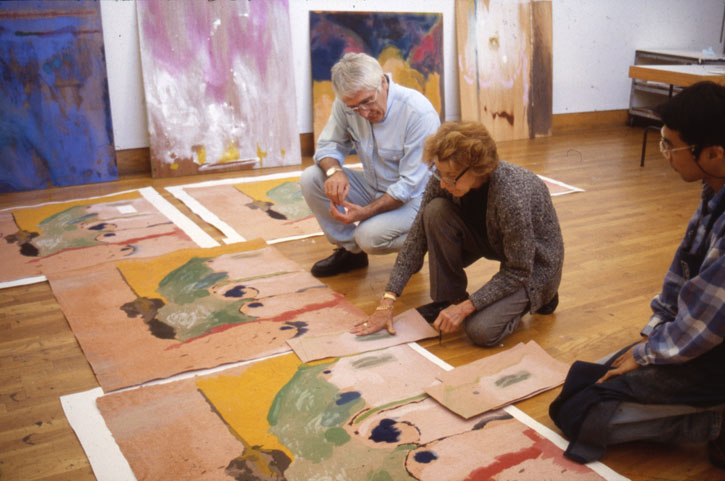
689 314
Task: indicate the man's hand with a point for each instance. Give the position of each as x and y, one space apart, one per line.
378 320
623 364
337 187
450 318
351 212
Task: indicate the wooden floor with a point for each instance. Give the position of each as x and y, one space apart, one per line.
619 237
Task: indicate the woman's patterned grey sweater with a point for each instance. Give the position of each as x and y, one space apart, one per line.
523 230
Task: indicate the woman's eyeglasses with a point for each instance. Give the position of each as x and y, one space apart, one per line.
447 180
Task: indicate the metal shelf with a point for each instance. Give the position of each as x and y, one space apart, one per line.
645 96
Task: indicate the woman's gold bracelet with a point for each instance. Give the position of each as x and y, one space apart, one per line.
384 308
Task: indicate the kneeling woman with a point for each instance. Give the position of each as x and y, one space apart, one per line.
477 206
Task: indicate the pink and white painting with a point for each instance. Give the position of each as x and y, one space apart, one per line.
219 85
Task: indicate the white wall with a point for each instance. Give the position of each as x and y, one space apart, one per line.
125 86
594 44
595 40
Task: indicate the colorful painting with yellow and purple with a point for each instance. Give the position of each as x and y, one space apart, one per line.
219 85
407 45
55 127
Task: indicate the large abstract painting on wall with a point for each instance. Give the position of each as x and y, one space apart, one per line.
55 126
219 85
408 45
505 66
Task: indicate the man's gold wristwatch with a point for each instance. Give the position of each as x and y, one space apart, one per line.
329 172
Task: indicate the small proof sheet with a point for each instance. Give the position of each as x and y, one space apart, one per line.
498 380
409 326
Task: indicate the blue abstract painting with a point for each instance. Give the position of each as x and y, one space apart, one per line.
55 116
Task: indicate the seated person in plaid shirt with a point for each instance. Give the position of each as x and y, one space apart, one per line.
670 386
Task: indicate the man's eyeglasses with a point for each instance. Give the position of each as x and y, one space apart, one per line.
447 180
666 150
365 105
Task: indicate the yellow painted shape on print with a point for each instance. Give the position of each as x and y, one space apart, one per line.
258 385
144 276
29 219
258 190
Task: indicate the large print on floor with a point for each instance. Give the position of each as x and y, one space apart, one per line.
42 239
219 84
363 417
138 321
55 121
268 206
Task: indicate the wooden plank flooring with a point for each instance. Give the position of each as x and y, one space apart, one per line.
619 237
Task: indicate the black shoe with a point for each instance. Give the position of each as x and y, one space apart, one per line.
716 448
550 306
430 311
342 260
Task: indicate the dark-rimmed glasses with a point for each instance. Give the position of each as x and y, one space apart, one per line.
448 181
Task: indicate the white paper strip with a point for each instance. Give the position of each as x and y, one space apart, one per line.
107 461
231 235
570 188
23 282
184 223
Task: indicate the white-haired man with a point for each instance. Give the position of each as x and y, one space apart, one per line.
369 211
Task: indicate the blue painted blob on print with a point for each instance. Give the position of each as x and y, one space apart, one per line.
301 326
425 456
236 292
346 397
385 432
55 128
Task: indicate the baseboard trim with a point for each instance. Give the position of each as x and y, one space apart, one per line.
565 123
133 161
